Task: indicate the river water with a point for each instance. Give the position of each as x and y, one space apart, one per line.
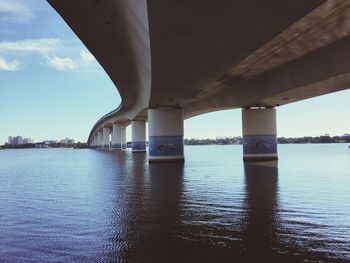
65 205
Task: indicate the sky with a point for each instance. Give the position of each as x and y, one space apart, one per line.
51 87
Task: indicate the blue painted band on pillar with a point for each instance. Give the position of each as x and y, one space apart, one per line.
139 146
117 145
124 146
259 144
166 145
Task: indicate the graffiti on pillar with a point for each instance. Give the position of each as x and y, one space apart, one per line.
259 144
165 145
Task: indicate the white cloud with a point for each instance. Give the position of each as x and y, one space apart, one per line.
87 57
40 45
14 11
62 64
8 66
59 54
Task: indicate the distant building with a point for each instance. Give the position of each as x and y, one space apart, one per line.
28 140
63 141
15 140
18 140
67 141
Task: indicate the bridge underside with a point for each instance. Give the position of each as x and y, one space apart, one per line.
207 55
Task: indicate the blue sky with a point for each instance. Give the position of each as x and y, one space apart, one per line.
51 87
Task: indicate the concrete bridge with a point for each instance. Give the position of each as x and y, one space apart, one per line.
175 59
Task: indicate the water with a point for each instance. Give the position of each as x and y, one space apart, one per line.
65 205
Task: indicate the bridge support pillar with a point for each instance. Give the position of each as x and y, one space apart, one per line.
99 140
138 130
165 131
93 144
117 137
96 142
105 138
259 134
124 146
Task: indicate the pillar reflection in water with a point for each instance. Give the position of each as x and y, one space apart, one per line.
126 224
166 185
261 204
147 229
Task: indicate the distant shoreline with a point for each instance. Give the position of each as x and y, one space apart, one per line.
41 145
71 147
324 139
281 140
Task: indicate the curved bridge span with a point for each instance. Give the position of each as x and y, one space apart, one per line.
172 60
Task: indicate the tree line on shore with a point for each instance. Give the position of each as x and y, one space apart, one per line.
283 140
44 145
218 141
318 139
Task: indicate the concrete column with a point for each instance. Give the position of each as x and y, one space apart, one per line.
259 134
123 130
105 138
99 140
165 131
92 144
96 141
117 137
138 130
